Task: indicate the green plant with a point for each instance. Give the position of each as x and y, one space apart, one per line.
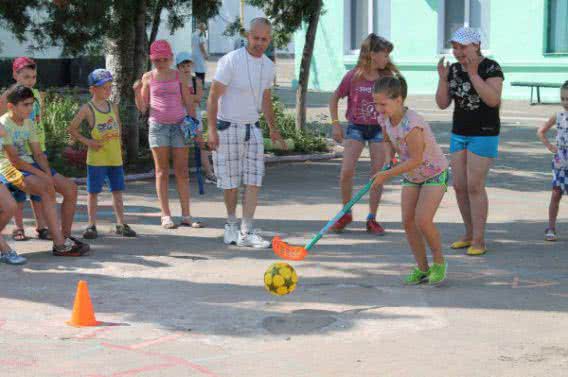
59 110
305 140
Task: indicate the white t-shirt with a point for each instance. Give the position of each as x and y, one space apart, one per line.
246 78
199 65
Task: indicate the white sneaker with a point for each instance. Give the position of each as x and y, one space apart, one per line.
231 234
252 240
550 235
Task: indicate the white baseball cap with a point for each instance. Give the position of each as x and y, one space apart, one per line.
466 36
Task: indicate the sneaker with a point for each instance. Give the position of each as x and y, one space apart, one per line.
11 257
550 235
84 246
69 249
437 273
90 233
231 234
212 179
124 230
416 277
252 240
343 221
375 228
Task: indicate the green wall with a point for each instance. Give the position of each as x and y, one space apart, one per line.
516 41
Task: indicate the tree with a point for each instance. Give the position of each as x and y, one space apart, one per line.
288 16
117 28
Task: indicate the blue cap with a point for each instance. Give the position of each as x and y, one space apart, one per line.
99 77
183 57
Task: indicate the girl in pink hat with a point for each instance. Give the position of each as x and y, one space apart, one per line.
160 91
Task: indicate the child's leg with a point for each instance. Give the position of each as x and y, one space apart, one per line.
553 207
205 163
46 191
68 189
162 167
181 168
428 203
118 206
409 200
351 153
377 162
19 215
7 209
38 214
92 208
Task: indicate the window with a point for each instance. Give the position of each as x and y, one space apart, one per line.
363 17
457 13
557 35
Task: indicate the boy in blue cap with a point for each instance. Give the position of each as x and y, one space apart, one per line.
104 154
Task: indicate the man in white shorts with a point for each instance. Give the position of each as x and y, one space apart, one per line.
241 89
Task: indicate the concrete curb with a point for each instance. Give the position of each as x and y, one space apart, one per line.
268 158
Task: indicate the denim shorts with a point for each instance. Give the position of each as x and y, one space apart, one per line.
98 175
484 146
165 135
363 133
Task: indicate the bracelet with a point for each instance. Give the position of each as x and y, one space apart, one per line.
335 121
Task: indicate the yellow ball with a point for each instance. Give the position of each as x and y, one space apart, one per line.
280 279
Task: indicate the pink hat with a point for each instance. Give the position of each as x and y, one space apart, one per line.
22 62
160 49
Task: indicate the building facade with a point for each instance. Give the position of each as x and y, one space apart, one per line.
529 38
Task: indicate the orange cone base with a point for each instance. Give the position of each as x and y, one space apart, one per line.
83 313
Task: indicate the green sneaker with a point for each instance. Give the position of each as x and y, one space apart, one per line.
416 277
437 273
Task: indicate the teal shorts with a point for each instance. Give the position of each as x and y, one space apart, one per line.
438 180
484 146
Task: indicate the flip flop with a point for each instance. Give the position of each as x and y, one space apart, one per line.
43 234
19 235
460 244
475 251
189 222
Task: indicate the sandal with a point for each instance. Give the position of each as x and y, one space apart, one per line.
43 234
168 223
19 234
189 222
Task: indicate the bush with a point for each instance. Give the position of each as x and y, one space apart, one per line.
58 111
306 141
309 140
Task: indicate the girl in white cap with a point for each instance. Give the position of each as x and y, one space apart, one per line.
474 83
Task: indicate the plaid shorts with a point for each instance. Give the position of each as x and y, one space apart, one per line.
239 158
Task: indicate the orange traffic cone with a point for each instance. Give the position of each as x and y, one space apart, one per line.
83 313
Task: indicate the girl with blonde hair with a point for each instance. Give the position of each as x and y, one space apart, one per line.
363 123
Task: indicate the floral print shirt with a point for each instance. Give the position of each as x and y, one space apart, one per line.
434 162
472 117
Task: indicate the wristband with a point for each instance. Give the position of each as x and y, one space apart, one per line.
335 121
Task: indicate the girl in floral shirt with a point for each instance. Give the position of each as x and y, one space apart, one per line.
424 169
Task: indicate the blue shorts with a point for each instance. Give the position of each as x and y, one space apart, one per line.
165 135
19 195
484 146
363 133
98 175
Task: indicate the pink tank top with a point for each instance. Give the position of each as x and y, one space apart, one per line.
166 105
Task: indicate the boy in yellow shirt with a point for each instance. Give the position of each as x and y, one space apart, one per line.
24 72
104 155
24 166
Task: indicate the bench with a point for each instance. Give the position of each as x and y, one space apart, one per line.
536 85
